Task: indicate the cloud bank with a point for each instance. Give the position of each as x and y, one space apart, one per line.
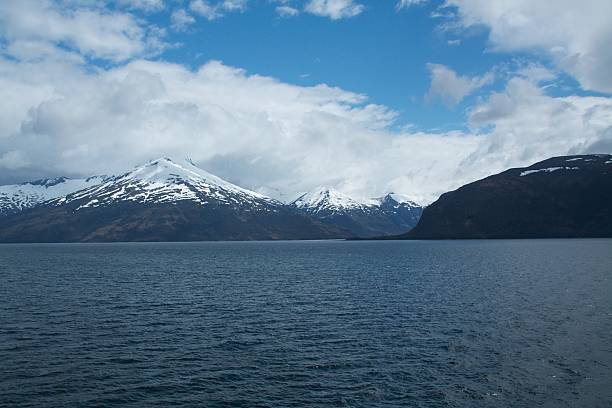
450 87
574 35
61 115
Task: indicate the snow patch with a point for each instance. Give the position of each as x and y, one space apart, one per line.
547 170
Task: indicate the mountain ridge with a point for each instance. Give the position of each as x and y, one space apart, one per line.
387 215
162 201
560 197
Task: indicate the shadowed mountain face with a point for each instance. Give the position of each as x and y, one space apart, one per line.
560 197
162 201
388 215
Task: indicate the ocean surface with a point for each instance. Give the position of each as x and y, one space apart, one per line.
307 324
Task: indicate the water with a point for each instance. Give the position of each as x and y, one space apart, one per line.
307 324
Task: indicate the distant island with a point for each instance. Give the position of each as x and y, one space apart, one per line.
163 200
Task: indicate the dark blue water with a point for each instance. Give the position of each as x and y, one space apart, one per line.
307 324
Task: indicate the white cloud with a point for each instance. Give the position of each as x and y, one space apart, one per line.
234 5
576 35
402 4
334 9
287 11
450 87
91 32
529 125
146 5
58 118
254 130
536 73
181 19
206 10
213 11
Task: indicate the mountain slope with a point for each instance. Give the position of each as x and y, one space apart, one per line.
162 201
388 215
559 197
17 197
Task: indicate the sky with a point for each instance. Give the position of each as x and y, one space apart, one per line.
283 96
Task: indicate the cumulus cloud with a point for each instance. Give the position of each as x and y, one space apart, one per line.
287 11
253 130
334 9
181 19
91 32
58 116
528 125
61 119
575 35
206 10
213 11
450 87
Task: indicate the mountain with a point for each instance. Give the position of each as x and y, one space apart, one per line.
567 196
162 201
17 197
388 215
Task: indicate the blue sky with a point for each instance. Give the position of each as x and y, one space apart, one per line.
284 96
382 52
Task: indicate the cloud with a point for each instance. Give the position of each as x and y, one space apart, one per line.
251 129
205 9
450 87
213 11
92 32
528 125
59 118
287 11
402 4
576 36
234 5
334 9
181 19
145 5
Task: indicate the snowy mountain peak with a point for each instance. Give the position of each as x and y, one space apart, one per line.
17 197
47 182
395 198
166 181
328 198
389 214
325 198
166 171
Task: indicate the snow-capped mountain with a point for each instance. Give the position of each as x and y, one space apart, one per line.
17 197
387 215
162 200
165 181
325 200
